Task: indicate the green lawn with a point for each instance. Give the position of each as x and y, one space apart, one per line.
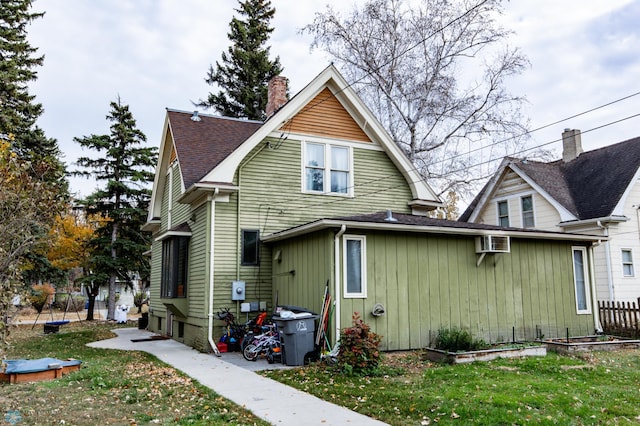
112 388
602 388
125 388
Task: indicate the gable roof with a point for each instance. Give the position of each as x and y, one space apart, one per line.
421 224
209 151
201 145
589 187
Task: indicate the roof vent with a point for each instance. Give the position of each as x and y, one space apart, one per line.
195 116
390 217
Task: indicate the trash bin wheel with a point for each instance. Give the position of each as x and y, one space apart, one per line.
251 352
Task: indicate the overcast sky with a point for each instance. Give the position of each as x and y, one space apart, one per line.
155 54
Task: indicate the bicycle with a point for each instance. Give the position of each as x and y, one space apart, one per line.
267 344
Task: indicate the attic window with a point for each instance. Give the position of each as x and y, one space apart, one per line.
327 169
527 212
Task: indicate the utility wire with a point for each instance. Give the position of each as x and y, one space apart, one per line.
392 59
300 198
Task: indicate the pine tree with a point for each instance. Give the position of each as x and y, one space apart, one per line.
127 168
18 115
246 67
18 60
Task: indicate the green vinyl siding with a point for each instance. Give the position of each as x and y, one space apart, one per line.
428 282
271 197
311 261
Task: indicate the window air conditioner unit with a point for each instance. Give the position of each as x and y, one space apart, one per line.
492 244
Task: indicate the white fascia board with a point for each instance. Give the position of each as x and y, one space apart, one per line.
490 189
594 221
375 226
155 205
565 215
225 171
169 234
619 209
332 79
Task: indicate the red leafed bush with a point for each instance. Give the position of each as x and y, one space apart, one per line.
359 352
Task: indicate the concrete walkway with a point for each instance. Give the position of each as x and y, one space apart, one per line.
272 401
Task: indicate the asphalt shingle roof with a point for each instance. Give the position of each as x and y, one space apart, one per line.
202 145
589 186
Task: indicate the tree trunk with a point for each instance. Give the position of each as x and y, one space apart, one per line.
112 279
92 293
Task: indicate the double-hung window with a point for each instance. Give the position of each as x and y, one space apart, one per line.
627 263
327 168
354 260
581 280
503 213
527 212
175 256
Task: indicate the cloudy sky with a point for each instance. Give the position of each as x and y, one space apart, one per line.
155 54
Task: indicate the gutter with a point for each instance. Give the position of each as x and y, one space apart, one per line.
330 223
336 254
212 204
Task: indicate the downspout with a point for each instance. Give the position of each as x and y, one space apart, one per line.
212 205
594 302
336 254
607 253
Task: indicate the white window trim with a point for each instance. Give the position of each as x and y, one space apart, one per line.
505 200
587 286
363 266
533 207
327 169
633 267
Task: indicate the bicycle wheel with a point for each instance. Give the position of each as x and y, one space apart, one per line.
251 352
247 340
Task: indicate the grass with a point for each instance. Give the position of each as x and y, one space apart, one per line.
112 388
601 388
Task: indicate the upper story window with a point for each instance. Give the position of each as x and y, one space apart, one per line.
527 212
175 259
503 213
327 168
627 263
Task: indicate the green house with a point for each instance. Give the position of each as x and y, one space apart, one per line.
254 214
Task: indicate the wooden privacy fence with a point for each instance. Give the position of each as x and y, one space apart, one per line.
620 318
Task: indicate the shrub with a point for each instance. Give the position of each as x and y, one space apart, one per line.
457 340
359 352
41 295
76 304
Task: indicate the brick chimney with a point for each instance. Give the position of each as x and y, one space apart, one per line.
571 144
277 94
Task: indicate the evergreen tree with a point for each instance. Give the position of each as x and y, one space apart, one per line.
246 68
18 115
116 251
18 60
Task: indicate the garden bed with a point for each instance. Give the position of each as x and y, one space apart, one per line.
512 350
590 343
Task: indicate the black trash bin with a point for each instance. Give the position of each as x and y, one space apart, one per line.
297 337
